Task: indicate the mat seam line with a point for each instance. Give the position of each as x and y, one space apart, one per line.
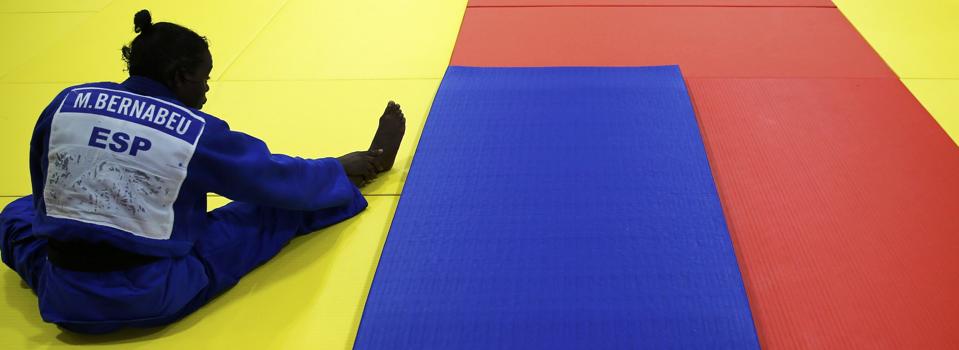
255 37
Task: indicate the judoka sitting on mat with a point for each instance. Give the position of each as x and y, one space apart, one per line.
117 234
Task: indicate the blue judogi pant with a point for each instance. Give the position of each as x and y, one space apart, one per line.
241 237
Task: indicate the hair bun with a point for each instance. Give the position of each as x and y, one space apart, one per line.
142 22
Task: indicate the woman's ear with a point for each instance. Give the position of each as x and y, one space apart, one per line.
179 79
182 82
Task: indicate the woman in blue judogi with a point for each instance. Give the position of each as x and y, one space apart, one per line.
117 233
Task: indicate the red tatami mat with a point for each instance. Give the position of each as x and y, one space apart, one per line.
842 199
757 3
704 41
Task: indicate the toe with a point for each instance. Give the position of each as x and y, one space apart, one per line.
393 111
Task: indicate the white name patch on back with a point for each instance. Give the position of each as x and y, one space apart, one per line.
118 159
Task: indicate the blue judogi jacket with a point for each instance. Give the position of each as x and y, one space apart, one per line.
130 166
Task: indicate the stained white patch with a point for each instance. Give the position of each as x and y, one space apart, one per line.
94 175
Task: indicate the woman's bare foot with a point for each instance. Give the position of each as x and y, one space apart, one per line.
388 136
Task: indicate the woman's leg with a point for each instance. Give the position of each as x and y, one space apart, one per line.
20 249
243 236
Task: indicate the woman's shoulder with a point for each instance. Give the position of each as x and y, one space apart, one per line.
101 84
66 90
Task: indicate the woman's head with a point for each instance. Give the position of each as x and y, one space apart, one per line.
172 55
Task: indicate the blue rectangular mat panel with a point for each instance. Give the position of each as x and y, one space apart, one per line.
559 208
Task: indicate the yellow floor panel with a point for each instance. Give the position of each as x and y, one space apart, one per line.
7 6
916 38
44 30
941 98
374 39
214 201
311 296
325 118
92 51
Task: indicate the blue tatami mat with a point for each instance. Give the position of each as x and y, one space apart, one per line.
559 208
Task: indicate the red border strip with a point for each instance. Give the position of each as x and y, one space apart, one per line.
704 41
621 6
651 3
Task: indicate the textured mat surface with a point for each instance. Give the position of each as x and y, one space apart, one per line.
706 42
559 208
841 198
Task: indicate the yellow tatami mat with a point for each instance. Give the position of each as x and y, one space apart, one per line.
311 296
91 52
45 29
8 6
916 38
373 39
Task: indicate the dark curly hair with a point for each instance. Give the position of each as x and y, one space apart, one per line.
162 49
